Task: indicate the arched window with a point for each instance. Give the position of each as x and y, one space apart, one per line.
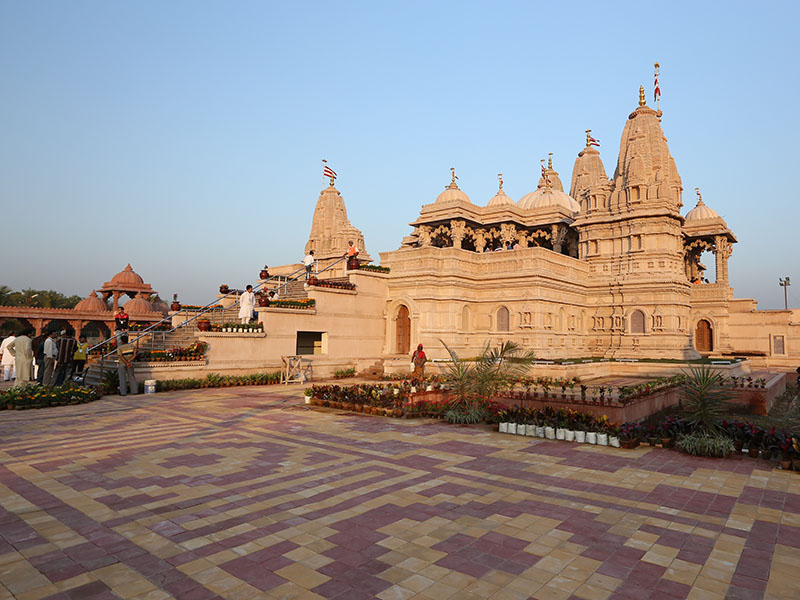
502 319
637 322
465 318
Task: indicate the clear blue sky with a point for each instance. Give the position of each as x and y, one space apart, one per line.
186 137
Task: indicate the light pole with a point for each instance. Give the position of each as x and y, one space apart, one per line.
785 283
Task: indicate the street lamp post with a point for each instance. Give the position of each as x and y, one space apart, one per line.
785 283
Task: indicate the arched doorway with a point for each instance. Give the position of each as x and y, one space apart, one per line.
403 331
704 336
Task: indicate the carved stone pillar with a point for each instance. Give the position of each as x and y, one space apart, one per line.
722 253
39 324
557 234
78 326
457 231
480 240
424 235
116 300
522 238
508 233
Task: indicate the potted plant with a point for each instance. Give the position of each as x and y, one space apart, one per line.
629 434
264 273
756 436
176 306
613 435
224 289
204 324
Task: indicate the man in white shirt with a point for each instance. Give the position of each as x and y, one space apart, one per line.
8 361
247 304
308 261
50 356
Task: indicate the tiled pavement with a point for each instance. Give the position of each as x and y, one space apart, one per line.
243 493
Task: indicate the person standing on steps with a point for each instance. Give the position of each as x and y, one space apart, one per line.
308 262
121 319
247 305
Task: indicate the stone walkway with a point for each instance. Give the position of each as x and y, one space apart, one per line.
243 493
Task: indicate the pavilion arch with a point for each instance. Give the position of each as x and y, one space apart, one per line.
502 319
637 321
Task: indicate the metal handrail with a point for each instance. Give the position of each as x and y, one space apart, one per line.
211 306
208 307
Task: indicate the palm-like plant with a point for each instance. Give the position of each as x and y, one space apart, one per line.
704 398
474 382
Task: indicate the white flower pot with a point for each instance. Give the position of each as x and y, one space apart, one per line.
549 433
522 429
602 439
560 433
413 389
580 437
429 388
308 399
503 427
396 391
512 428
591 437
530 430
613 441
569 435
539 431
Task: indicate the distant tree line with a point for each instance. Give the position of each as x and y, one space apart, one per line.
31 297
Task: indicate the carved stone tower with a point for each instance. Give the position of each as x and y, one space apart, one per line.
331 229
630 234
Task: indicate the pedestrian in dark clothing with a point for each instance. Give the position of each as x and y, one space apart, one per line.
66 349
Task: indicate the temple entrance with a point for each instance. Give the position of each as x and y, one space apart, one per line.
703 336
403 331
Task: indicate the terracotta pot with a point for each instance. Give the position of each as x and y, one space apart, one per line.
263 273
753 452
204 325
176 306
666 442
263 301
786 464
629 444
738 445
224 289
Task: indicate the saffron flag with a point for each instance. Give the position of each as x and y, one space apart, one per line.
328 172
593 142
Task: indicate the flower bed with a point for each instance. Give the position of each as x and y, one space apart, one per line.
36 396
336 285
374 268
213 380
196 351
300 303
557 423
367 398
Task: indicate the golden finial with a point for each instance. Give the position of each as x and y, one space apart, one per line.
550 160
588 137
453 176
500 178
641 96
699 195
545 175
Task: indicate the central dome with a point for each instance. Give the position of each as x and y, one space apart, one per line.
451 192
127 276
701 211
544 197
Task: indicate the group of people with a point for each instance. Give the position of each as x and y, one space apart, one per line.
48 359
500 247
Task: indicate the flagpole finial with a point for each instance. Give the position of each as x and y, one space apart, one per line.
500 179
699 195
588 138
642 101
550 160
656 65
453 176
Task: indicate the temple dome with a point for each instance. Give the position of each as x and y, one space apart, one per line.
501 199
138 305
544 197
91 304
158 305
452 194
701 211
127 277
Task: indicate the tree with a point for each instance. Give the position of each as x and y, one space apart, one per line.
473 383
704 398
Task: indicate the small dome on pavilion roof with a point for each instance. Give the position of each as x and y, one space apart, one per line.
91 304
158 305
452 193
127 276
701 211
500 198
138 305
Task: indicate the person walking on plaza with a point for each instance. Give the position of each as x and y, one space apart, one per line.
419 359
50 355
247 305
37 344
308 261
7 360
22 352
126 353
80 356
66 349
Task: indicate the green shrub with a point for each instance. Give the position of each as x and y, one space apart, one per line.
704 398
465 416
343 373
700 443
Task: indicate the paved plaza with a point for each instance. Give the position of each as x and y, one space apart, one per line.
244 493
